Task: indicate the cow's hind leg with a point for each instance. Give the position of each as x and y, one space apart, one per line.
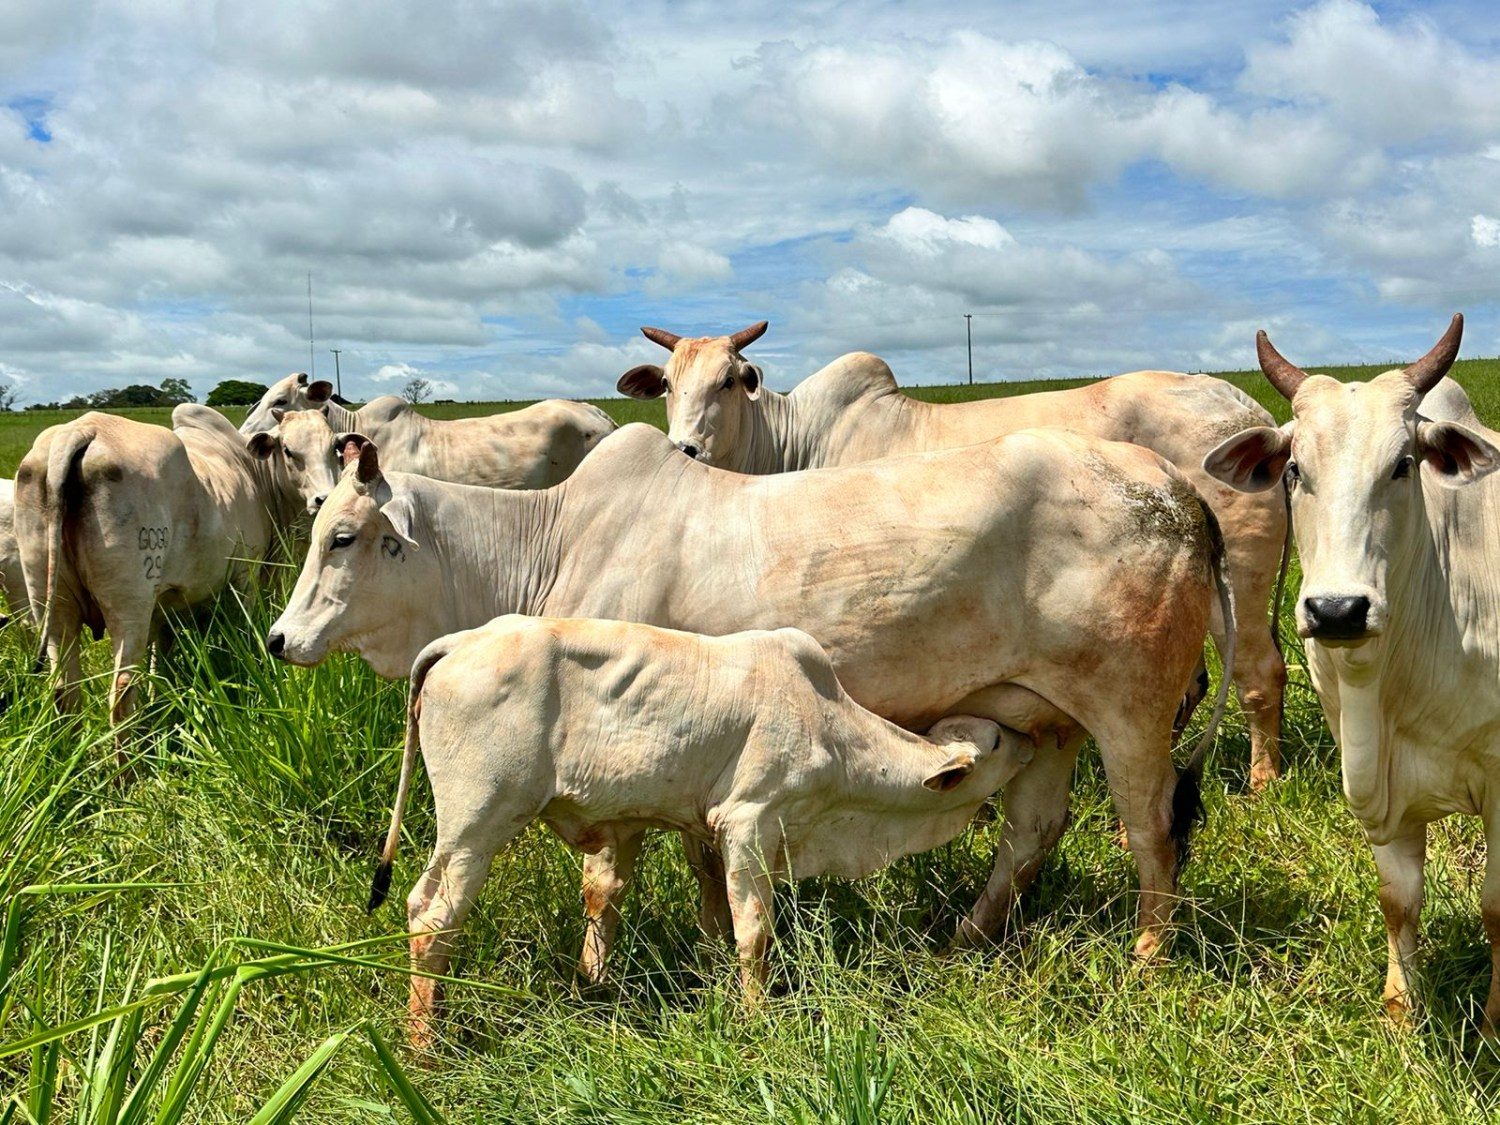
714 917
1034 811
606 876
131 637
1142 779
1400 863
435 910
64 654
1253 555
1489 905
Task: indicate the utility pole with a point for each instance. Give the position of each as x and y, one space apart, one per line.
338 380
312 362
969 331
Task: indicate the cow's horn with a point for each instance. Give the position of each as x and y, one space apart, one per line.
747 336
661 336
1425 373
1284 375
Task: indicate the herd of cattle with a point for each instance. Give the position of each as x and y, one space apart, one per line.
596 623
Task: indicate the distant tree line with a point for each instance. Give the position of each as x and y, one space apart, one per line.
231 392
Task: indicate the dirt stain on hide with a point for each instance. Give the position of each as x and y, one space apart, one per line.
1169 512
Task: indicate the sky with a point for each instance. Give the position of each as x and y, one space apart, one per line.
496 194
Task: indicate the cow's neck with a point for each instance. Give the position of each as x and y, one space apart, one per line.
779 441
509 545
342 419
1436 598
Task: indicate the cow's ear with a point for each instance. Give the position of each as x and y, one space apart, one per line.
952 773
319 391
400 512
348 446
645 381
1456 454
1252 460
750 375
367 468
278 413
262 445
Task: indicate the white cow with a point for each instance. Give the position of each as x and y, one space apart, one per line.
12 579
534 447
117 520
307 447
602 728
1397 524
720 412
1050 582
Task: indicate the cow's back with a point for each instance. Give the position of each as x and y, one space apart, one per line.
927 577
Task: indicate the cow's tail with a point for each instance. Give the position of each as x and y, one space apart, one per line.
380 886
1187 796
63 485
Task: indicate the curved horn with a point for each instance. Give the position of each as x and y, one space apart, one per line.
1285 376
661 336
747 336
1425 373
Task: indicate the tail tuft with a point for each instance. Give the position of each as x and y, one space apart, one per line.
380 886
1187 812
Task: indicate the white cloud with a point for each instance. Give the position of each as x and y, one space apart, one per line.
1485 231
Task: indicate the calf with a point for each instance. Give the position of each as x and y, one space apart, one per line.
604 728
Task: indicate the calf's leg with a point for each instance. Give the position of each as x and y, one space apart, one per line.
606 876
435 910
751 904
1400 864
1034 809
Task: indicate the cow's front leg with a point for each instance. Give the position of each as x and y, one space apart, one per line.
606 876
750 902
1400 864
1489 907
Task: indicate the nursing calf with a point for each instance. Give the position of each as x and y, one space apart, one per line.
604 730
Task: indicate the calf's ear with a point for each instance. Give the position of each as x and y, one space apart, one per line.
645 381
952 773
1456 454
320 391
400 512
367 468
262 445
1252 460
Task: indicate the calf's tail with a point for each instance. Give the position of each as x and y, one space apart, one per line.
1187 796
62 489
380 887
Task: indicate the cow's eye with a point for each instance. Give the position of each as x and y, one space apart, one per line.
1403 468
279 402
727 384
294 458
1293 474
342 541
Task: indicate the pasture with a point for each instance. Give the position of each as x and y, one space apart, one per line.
250 827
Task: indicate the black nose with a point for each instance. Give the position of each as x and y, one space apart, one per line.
318 500
276 643
690 449
1337 619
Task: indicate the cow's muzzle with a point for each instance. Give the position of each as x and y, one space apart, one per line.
276 644
1337 618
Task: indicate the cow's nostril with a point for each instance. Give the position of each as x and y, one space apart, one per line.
318 500
276 643
1337 618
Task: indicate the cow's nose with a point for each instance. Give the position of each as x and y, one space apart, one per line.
318 500
690 449
276 643
1337 619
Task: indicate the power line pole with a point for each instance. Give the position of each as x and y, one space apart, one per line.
312 361
338 380
969 331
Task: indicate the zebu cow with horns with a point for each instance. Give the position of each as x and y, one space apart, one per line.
1396 520
720 412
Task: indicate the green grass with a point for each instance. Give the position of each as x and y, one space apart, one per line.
262 795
